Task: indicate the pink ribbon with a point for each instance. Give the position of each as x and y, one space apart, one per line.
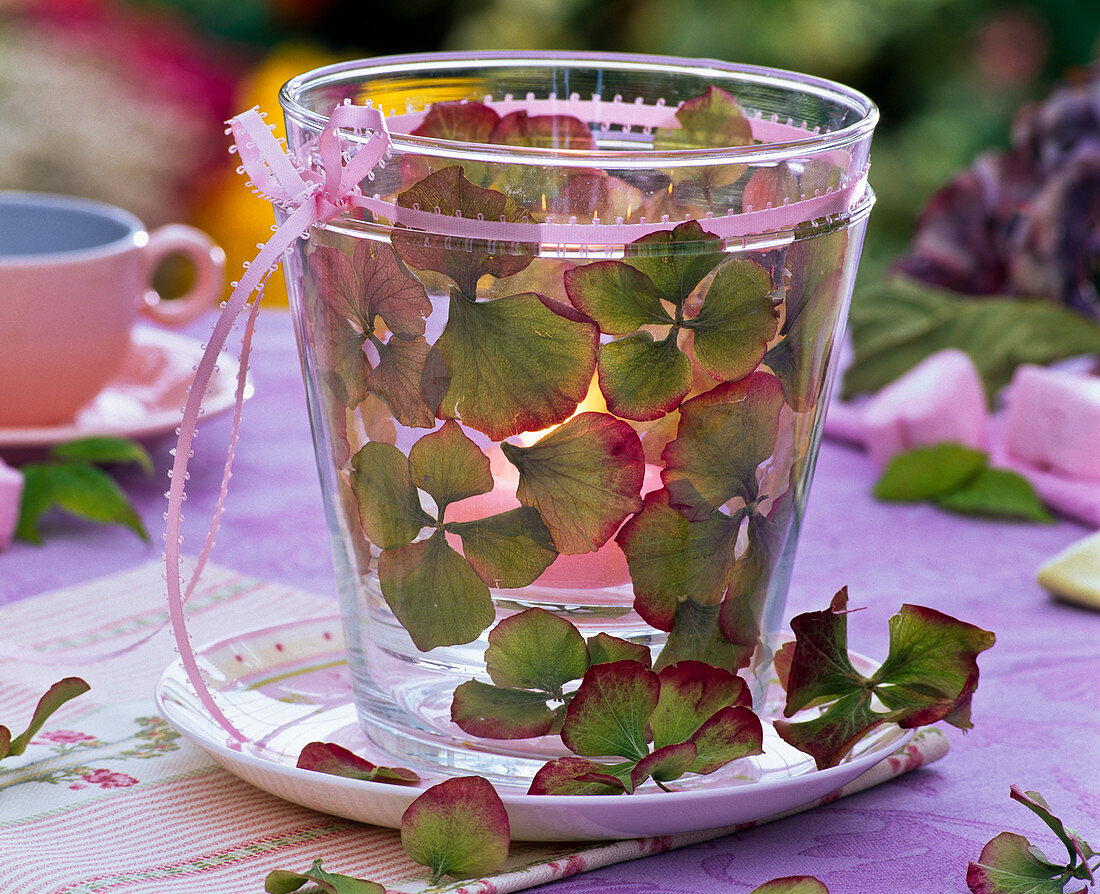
311 200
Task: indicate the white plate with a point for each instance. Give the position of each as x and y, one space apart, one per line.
287 685
143 399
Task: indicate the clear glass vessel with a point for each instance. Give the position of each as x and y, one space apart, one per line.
571 351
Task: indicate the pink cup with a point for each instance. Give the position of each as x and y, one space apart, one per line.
74 276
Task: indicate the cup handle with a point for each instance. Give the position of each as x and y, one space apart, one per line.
209 263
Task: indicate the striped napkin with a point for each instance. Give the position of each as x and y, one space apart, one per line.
109 798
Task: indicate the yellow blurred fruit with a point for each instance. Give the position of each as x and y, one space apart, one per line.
234 217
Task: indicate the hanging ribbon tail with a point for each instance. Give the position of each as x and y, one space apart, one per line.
311 200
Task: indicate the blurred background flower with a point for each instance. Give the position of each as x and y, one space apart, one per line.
111 102
124 100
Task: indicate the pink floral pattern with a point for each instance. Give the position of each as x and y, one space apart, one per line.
63 737
73 752
107 779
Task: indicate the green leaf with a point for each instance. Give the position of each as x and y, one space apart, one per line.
353 293
643 379
434 593
447 191
1009 864
672 559
5 742
340 355
510 549
812 301
449 466
820 668
283 881
792 884
894 312
608 714
742 607
929 675
724 434
496 712
770 186
718 116
820 175
692 692
999 493
398 379
434 380
103 450
542 131
829 737
469 122
736 321
925 473
739 615
617 296
603 648
792 367
337 282
932 665
387 289
925 321
61 692
37 500
79 489
999 333
575 776
535 649
664 764
519 363
1076 847
729 734
812 270
335 760
697 635
675 260
584 478
457 828
389 506
712 120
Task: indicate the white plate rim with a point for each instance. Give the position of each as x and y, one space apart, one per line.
534 813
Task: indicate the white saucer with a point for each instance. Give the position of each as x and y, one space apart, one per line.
143 399
287 685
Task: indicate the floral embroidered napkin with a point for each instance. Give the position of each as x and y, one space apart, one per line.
108 797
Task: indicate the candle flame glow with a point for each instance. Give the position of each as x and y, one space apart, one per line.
593 403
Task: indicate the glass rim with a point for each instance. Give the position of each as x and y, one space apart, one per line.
292 91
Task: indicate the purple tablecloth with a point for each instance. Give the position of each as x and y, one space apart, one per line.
1036 712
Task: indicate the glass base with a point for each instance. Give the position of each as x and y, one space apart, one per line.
403 696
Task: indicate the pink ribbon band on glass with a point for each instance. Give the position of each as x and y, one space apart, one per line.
313 193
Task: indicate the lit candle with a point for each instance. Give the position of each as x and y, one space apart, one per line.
605 567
